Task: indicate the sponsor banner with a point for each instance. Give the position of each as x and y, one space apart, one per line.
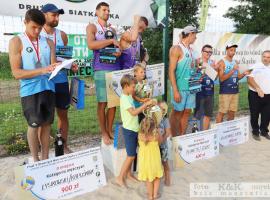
233 132
83 11
249 51
196 146
83 55
154 75
62 177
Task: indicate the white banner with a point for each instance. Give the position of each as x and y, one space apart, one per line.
122 11
62 177
249 51
197 146
233 132
154 75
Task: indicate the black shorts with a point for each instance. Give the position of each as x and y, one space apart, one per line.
204 106
62 96
38 109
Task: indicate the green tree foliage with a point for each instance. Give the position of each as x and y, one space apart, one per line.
251 16
181 13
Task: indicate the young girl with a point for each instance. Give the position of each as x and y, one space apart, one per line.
143 91
149 166
165 132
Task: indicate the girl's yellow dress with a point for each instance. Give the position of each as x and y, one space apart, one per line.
149 161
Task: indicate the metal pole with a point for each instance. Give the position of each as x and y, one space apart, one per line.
166 50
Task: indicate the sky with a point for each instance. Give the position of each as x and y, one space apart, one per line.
214 23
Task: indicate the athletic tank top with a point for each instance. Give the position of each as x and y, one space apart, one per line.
131 55
207 84
61 76
100 35
184 69
30 86
229 86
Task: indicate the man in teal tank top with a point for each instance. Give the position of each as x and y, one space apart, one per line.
31 57
182 65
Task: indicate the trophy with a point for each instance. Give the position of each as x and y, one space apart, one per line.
155 113
107 54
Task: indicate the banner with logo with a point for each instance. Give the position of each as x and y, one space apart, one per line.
195 146
62 177
249 51
83 55
83 11
154 75
233 132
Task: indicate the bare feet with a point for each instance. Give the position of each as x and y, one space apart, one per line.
157 196
67 150
120 182
132 177
111 135
167 181
106 139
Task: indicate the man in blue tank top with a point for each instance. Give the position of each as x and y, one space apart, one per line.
31 59
182 64
97 41
205 98
130 44
229 76
62 96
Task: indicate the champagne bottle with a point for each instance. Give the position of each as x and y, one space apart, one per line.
59 144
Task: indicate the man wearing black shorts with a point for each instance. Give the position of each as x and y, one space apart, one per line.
205 98
31 57
62 96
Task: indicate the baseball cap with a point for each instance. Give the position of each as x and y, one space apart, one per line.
190 29
51 8
230 45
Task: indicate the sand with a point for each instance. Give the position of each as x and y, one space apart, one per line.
249 162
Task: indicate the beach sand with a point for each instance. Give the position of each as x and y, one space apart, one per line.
248 162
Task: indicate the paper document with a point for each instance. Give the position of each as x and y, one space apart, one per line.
65 64
263 82
210 72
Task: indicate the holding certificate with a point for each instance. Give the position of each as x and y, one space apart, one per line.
205 98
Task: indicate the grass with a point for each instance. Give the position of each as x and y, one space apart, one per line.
81 122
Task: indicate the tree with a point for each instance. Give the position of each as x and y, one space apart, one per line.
181 13
251 16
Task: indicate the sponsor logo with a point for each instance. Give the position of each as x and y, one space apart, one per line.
29 49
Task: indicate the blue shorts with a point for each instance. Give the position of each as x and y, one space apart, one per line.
188 101
100 83
131 141
62 96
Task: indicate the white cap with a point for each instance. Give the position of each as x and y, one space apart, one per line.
190 29
230 44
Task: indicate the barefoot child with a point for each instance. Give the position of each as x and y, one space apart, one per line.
142 90
165 132
150 167
129 115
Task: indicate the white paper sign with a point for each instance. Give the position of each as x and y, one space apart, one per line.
263 82
83 11
63 177
211 72
198 146
66 64
233 132
154 75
